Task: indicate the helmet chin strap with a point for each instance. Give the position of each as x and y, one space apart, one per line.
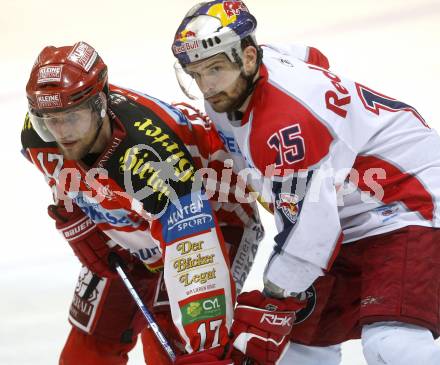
100 123
251 83
251 80
99 107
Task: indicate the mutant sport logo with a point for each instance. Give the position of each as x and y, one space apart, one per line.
192 214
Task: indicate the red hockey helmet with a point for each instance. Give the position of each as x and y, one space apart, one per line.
64 77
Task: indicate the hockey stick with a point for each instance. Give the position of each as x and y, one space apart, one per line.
91 287
116 262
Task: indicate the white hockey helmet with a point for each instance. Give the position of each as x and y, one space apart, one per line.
211 28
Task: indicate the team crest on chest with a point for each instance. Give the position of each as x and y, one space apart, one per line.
288 204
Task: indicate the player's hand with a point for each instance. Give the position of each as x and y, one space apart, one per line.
262 326
88 242
214 356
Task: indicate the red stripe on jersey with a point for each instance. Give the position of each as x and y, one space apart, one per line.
335 251
276 112
317 58
150 104
183 132
397 185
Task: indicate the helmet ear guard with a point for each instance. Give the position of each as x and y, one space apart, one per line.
99 104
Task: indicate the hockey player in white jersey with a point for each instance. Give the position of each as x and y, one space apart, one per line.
351 176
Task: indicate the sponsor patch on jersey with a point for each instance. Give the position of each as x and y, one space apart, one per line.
202 309
387 212
285 62
147 255
195 262
86 300
190 215
98 214
49 101
288 204
229 142
49 74
305 313
83 55
245 255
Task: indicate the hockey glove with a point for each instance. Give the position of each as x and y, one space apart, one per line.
88 242
262 326
212 356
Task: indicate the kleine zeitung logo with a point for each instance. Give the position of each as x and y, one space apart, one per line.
49 74
45 101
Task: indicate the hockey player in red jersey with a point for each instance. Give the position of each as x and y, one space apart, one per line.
123 180
354 191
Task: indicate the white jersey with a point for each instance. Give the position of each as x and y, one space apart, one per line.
349 162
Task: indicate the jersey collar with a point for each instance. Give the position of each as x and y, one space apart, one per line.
257 95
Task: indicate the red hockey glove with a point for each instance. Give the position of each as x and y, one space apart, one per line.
262 326
88 242
208 357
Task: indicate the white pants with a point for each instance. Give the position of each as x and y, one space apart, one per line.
311 355
383 343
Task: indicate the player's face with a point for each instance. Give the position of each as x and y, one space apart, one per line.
228 99
74 131
224 84
220 81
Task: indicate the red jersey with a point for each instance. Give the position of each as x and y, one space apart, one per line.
144 193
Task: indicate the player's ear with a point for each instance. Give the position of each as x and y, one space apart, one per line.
249 60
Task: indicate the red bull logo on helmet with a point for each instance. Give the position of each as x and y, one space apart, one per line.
234 7
184 35
288 204
185 47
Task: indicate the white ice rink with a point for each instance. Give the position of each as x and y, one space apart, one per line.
392 46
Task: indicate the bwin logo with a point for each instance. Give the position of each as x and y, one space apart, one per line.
274 320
